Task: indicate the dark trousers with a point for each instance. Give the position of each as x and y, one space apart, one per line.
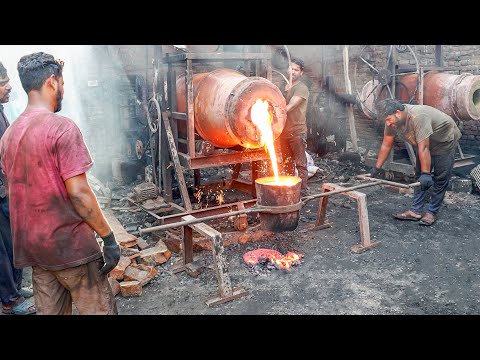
442 166
293 154
10 277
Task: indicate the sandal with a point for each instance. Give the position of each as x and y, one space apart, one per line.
407 215
26 307
427 219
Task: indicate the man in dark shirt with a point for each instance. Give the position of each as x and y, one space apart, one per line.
293 140
54 212
13 296
435 136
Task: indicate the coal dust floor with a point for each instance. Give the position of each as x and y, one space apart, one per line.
416 270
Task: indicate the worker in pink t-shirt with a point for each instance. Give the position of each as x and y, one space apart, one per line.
54 212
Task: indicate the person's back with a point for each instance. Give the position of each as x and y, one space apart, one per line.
445 133
54 211
38 152
425 121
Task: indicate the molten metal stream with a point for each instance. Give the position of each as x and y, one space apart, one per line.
262 118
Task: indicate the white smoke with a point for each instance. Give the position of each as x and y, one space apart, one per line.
11 54
91 97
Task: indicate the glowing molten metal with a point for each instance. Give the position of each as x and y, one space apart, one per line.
280 261
262 118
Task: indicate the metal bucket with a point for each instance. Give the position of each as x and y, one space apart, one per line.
284 193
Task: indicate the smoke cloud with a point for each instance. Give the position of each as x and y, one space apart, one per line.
97 96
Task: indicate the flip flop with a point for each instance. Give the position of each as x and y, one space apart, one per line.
406 215
427 219
27 307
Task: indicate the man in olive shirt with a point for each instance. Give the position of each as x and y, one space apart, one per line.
293 140
436 136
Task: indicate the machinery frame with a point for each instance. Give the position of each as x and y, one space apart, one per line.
388 78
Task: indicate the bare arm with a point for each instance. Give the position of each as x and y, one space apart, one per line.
385 149
85 203
294 102
424 155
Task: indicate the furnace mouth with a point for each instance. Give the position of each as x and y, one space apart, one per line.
476 99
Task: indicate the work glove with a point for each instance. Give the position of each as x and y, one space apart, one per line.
377 173
426 181
111 253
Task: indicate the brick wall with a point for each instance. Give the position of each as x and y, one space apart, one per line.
325 117
464 58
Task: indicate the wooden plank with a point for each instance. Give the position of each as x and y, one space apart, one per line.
217 56
177 115
351 118
363 219
322 208
220 263
190 110
121 235
217 300
438 55
165 156
176 162
160 96
187 245
420 86
202 228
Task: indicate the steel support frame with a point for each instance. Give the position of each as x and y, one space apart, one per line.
190 160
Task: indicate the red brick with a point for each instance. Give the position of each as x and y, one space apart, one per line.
117 272
131 288
115 285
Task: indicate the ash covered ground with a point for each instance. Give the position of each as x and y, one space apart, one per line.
416 270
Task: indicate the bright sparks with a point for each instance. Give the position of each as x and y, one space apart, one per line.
262 118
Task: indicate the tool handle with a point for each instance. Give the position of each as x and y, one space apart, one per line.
386 182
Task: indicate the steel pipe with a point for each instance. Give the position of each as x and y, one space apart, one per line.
263 209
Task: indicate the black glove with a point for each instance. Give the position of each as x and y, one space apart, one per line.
377 173
426 181
111 253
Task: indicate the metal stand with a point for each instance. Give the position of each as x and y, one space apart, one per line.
194 268
365 242
184 144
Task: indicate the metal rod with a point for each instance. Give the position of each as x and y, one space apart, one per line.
386 182
196 221
144 209
339 191
253 209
